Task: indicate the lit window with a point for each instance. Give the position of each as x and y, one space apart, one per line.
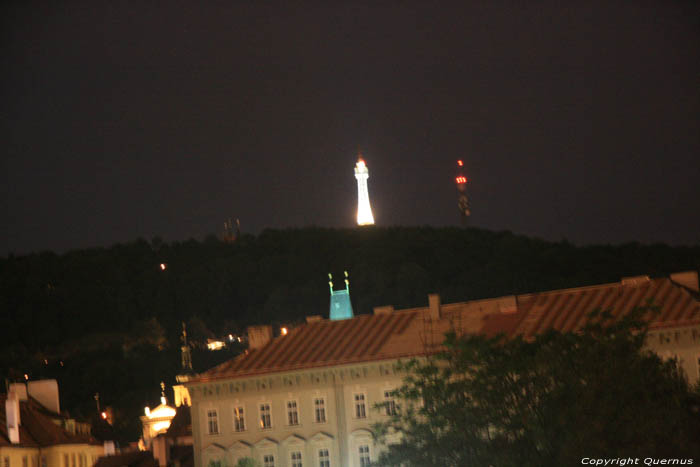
265 418
213 421
268 460
364 456
320 410
238 419
324 458
292 413
389 403
296 459
360 410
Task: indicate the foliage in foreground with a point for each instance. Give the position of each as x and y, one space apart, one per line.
551 401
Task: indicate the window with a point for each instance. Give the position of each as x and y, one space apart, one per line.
265 419
320 409
43 461
268 460
25 461
73 460
360 411
324 458
389 403
238 419
213 422
7 461
292 413
296 459
364 456
66 460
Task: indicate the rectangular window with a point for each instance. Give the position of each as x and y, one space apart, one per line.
364 456
389 404
320 410
296 459
360 411
265 418
25 461
66 460
73 459
324 458
292 413
268 460
43 461
7 461
238 419
213 422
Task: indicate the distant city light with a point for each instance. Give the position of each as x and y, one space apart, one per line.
162 266
230 337
26 376
460 163
104 415
214 344
284 331
461 179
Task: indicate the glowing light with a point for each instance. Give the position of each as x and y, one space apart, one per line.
147 411
284 331
162 266
461 180
26 376
230 337
364 211
460 163
104 415
215 345
159 426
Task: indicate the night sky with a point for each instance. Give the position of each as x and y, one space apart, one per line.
576 120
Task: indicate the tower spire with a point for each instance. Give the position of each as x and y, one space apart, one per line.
364 211
341 308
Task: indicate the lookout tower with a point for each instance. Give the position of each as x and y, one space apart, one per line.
364 211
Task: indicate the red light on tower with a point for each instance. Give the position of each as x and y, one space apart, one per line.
460 163
461 180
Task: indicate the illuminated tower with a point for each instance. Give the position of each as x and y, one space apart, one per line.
364 211
341 308
462 195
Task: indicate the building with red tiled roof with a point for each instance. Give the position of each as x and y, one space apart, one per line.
33 433
309 397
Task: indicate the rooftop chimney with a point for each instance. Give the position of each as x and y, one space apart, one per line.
12 417
687 279
259 336
45 391
434 304
20 390
383 310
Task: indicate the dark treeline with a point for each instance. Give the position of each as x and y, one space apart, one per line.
115 311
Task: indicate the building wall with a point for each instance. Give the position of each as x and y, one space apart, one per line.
79 455
14 457
681 343
342 434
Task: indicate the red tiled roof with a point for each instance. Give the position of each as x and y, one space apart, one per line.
406 333
37 427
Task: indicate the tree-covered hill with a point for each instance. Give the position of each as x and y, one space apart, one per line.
107 307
